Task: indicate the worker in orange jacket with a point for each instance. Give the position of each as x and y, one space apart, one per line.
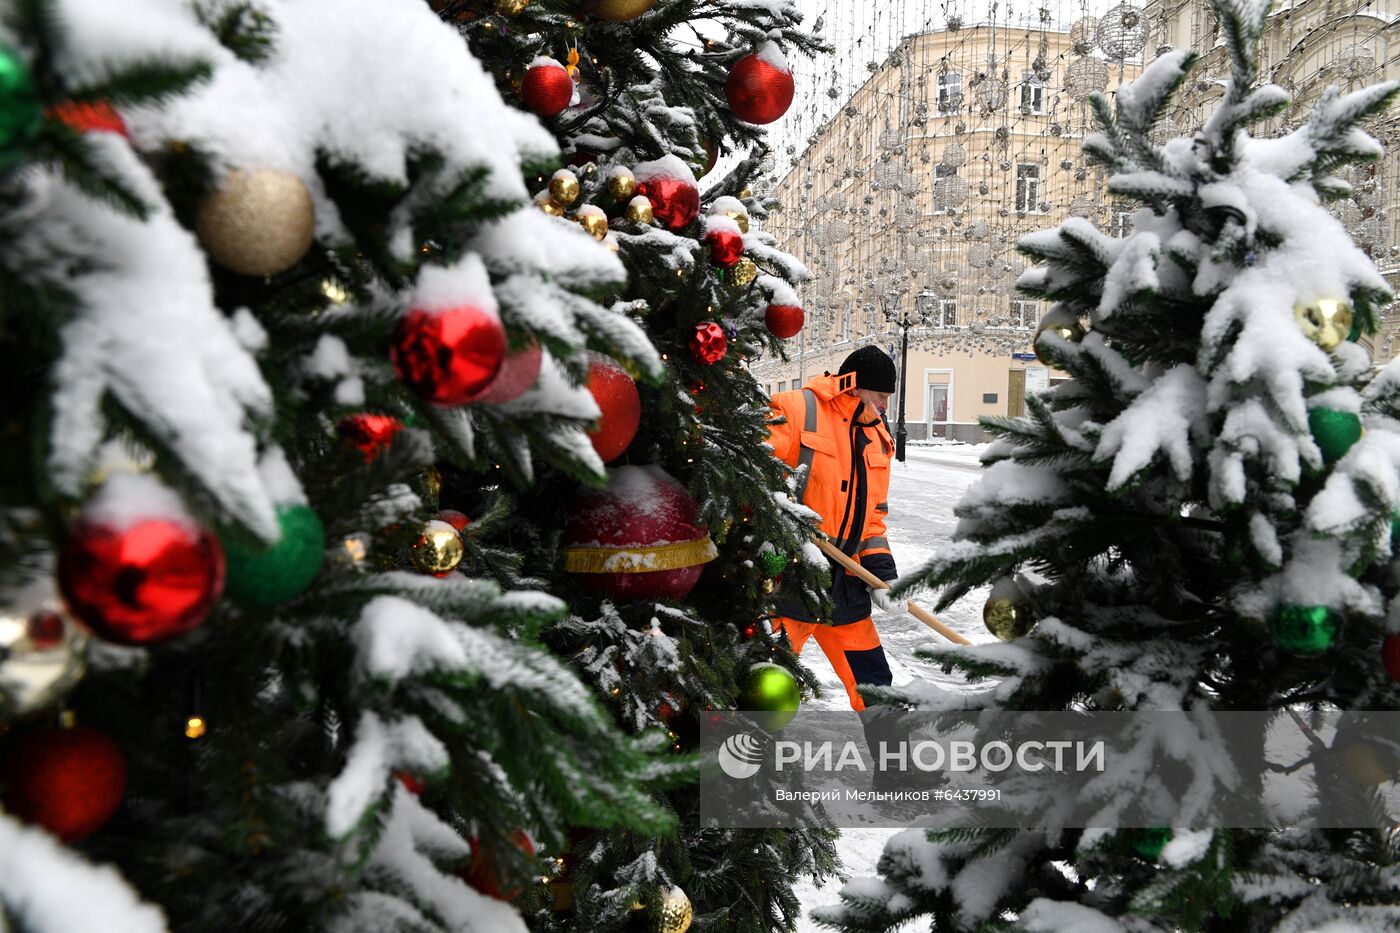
834 427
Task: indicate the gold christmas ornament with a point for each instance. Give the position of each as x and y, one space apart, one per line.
439 549
676 913
1325 321
739 217
563 187
618 11
1361 762
42 652
639 210
260 222
746 193
511 7
767 585
1007 613
622 185
546 203
745 271
592 219
431 480
1063 323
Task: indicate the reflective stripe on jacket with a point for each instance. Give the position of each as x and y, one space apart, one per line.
847 449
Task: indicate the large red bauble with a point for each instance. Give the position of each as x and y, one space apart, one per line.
621 405
89 117
758 91
69 781
142 582
547 89
726 247
483 874
638 538
783 320
369 433
708 344
1390 656
449 357
674 201
518 373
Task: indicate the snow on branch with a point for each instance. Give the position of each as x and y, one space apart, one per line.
1160 421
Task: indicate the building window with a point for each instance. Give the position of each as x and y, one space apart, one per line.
945 313
1028 188
1032 93
949 91
1122 223
1025 314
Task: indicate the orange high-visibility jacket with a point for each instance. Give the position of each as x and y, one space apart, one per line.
847 449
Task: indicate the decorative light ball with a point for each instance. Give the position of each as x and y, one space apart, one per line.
622 184
439 549
783 321
617 11
1334 431
1325 321
1304 630
760 86
1007 613
592 219
369 433
96 116
620 403
21 116
637 538
268 575
547 88
564 187
67 781
1063 323
772 693
260 222
449 356
726 246
136 581
546 203
745 271
519 371
708 344
639 210
42 651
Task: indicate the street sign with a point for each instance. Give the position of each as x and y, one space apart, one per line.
1023 357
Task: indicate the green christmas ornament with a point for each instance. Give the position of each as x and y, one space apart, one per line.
266 576
20 113
772 563
1334 431
1149 843
771 692
1304 630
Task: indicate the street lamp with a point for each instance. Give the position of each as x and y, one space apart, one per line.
901 433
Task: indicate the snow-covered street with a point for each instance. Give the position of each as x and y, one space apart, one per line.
923 491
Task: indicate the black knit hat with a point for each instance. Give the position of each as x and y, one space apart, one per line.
873 368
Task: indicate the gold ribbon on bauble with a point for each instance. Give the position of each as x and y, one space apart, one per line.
640 558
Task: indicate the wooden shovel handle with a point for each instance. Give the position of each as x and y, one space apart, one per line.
915 610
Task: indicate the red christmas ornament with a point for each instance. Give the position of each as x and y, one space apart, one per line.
760 86
638 538
68 781
1390 656
621 405
89 117
783 320
449 357
674 197
457 520
143 581
518 373
483 874
369 433
726 246
547 88
708 344
410 783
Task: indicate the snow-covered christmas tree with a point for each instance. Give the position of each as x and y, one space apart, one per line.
1199 520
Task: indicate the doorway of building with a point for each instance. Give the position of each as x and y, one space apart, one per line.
937 408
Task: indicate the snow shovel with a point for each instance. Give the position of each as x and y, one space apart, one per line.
915 610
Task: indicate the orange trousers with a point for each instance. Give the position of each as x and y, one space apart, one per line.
854 651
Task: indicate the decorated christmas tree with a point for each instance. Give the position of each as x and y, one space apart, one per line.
1198 520
669 570
271 282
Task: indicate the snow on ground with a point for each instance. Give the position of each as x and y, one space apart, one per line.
923 491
